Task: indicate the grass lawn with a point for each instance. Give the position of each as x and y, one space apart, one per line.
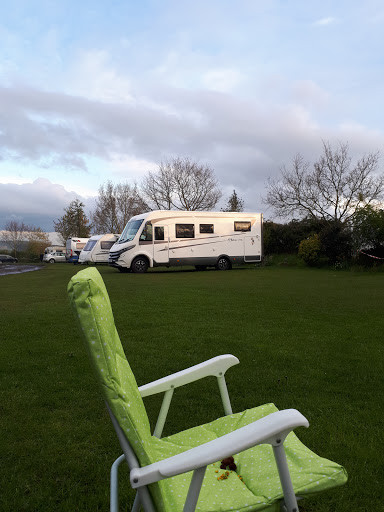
306 338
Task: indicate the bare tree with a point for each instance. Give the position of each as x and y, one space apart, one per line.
38 240
181 184
15 235
331 190
115 205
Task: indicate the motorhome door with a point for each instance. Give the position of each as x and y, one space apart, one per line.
251 248
161 245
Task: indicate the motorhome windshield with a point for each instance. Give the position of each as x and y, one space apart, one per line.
90 245
130 230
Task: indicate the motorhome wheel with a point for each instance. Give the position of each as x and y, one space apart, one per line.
139 265
223 264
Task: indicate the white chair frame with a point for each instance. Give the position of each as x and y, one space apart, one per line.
272 429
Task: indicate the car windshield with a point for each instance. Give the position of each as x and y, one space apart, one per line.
90 245
130 230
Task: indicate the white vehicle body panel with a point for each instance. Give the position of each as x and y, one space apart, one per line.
54 248
97 248
190 238
74 246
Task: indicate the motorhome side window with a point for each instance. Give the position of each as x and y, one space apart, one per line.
146 235
159 233
185 231
107 244
206 228
242 226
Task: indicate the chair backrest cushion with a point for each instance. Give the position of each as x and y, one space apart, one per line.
90 301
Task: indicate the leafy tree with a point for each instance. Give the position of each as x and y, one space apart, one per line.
368 228
181 184
234 204
115 205
332 189
336 240
15 235
285 238
74 222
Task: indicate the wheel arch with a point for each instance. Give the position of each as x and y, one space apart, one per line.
143 255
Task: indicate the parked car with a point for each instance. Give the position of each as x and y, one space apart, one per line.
54 257
5 258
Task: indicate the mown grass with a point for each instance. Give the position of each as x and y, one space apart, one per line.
306 338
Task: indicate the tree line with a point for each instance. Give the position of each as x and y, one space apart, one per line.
177 184
17 235
338 204
335 203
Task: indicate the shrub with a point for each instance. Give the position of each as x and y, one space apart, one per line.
309 250
285 238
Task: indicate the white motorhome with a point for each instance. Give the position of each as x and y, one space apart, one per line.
74 246
97 248
203 239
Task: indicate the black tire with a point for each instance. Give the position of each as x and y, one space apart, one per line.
139 265
223 263
52 260
200 267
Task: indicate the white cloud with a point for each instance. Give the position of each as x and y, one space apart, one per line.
308 92
94 77
223 80
37 203
40 196
325 21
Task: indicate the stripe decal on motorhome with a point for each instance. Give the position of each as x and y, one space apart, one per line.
206 243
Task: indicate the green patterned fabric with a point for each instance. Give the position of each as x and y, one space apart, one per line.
259 488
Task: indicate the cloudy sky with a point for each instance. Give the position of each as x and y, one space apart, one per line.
94 90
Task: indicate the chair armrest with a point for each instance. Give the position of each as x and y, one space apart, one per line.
217 366
271 429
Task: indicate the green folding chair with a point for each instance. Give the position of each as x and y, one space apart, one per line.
182 472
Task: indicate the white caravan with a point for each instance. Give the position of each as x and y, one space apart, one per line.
74 246
97 248
203 239
54 248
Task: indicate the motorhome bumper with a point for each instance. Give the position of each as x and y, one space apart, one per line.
115 255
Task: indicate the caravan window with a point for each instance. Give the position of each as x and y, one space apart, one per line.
206 228
80 246
185 231
146 235
90 245
107 244
159 233
242 226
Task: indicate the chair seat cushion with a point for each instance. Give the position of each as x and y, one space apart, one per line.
259 488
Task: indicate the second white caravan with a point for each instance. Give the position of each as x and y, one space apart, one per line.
175 238
97 248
